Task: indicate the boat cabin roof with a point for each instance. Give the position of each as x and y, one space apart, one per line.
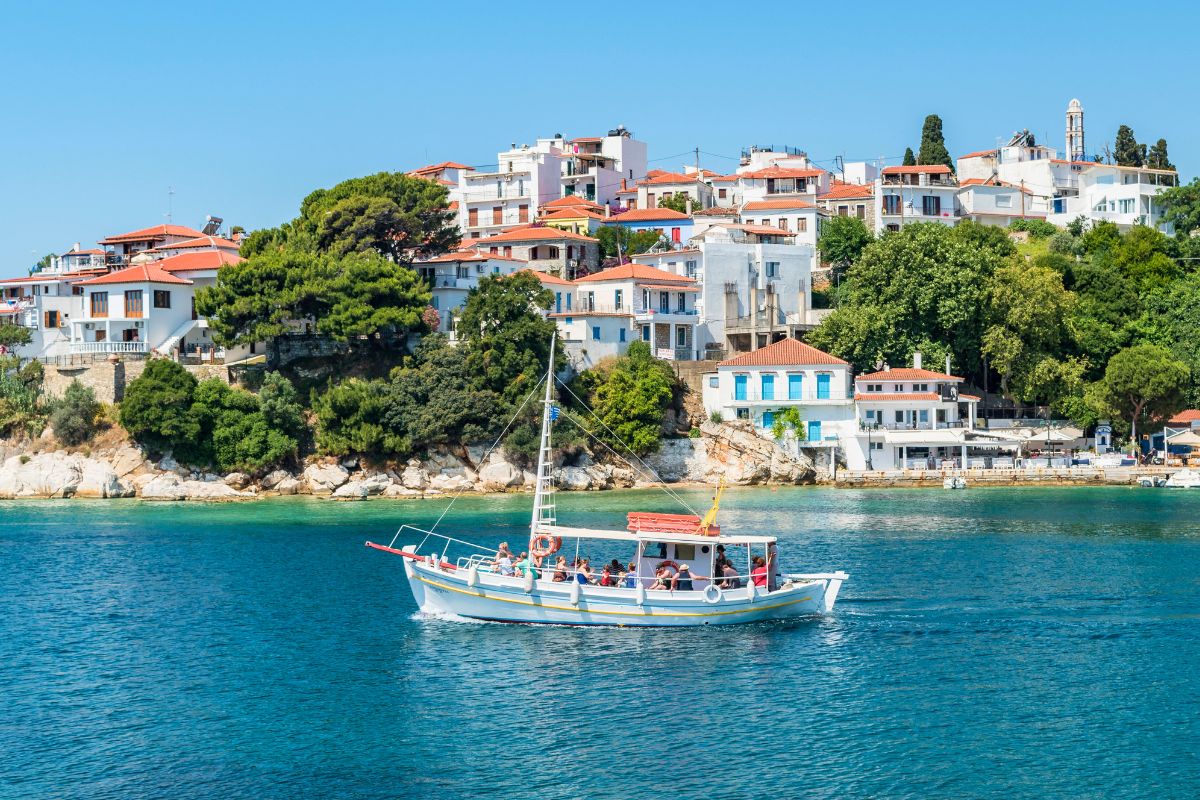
651 536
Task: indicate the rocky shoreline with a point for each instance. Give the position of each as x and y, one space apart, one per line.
729 451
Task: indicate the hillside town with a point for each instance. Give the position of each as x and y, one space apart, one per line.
722 274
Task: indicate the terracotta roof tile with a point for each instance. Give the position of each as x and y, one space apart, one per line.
897 396
149 272
783 353
907 374
468 255
980 153
637 272
847 191
155 232
546 277
648 215
572 201
530 233
777 203
1189 415
199 259
668 177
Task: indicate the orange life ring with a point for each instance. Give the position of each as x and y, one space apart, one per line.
551 546
671 565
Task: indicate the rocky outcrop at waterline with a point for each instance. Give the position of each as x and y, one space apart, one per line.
729 451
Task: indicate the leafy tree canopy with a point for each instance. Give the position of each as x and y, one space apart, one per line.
1126 150
843 239
631 243
677 201
630 395
73 416
1180 206
910 160
1143 379
933 144
1158 158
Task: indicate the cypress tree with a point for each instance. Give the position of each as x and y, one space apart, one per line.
909 159
1158 158
933 145
1126 149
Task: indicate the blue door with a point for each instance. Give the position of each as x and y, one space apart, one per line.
823 386
795 386
558 302
739 387
814 431
768 386
768 419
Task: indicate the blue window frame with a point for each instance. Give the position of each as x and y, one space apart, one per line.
814 430
823 386
596 332
558 302
768 419
795 386
923 415
739 387
622 334
645 333
568 302
767 381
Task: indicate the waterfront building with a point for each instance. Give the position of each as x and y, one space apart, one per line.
544 248
659 185
757 386
904 195
995 202
451 276
600 314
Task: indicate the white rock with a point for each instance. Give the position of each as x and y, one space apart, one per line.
99 479
396 490
452 482
169 487
574 479
273 479
414 477
354 490
237 480
324 478
500 475
288 485
377 483
41 475
168 464
127 460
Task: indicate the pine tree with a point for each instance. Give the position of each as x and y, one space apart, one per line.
1126 149
909 159
933 145
1158 158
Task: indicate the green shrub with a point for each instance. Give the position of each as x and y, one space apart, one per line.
630 395
1036 228
73 416
156 409
694 433
350 420
716 417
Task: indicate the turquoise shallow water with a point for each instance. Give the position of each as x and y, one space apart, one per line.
990 643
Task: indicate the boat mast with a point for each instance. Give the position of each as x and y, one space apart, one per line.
543 490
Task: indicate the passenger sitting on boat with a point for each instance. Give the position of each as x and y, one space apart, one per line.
504 563
583 572
503 551
615 567
606 577
682 582
560 570
525 566
759 574
631 576
730 577
662 578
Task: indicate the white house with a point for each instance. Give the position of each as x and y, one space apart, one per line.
791 214
544 248
917 418
925 193
526 177
121 249
995 202
658 185
117 314
596 167
757 386
611 308
451 276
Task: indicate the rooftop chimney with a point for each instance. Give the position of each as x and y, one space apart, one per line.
916 359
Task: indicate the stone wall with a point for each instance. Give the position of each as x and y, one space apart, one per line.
203 372
107 379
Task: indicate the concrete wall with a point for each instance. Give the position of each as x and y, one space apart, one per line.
105 378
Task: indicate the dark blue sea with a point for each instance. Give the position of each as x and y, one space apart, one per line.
990 643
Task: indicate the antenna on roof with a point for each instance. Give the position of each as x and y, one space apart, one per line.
170 202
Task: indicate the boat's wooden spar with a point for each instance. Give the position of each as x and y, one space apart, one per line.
413 556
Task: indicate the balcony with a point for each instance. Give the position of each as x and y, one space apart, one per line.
119 348
864 425
679 315
919 181
781 397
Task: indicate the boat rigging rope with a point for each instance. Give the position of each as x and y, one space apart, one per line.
662 484
495 444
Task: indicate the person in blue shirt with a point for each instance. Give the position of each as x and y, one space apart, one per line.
631 576
583 572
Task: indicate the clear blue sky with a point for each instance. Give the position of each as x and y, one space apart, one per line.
245 107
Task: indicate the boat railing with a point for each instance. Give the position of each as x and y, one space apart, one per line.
484 554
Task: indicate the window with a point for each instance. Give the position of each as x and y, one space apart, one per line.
497 215
685 552
714 382
795 386
681 336
872 416
681 302
920 387
814 430
553 252
508 251
480 269
876 445
801 225
691 269
558 302
52 319
77 291
162 298
472 217
742 413
923 415
596 333
768 419
823 386
99 304
664 302
1126 206
931 206
589 301
739 386
618 299
494 250
783 223
676 235
843 211
645 333
862 211
722 193
891 204
568 301
570 251
650 201
621 335
899 415
1004 201
767 384
772 269
874 387
941 415
523 213
749 221
500 186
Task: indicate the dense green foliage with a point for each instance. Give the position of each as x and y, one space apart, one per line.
1144 378
788 422
1158 158
1037 228
14 335
341 266
629 396
910 160
677 201
20 394
843 239
73 416
209 422
1180 207
631 243
933 144
1126 150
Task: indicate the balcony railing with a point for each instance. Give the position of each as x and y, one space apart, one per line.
636 310
925 181
108 347
781 395
910 426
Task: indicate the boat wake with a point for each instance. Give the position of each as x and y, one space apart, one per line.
446 616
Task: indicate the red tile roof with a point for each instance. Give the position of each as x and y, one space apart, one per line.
648 215
585 139
531 233
783 172
1189 416
575 213
200 242
759 230
928 169
156 232
200 259
980 153
897 396
716 211
907 374
847 191
637 272
439 167
786 352
778 203
992 182
546 277
571 201
469 255
726 178
668 177
95 251
149 272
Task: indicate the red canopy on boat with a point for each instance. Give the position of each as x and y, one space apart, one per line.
650 522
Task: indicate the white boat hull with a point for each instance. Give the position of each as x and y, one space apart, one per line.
441 591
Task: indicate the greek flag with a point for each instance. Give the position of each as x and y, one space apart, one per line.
553 413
